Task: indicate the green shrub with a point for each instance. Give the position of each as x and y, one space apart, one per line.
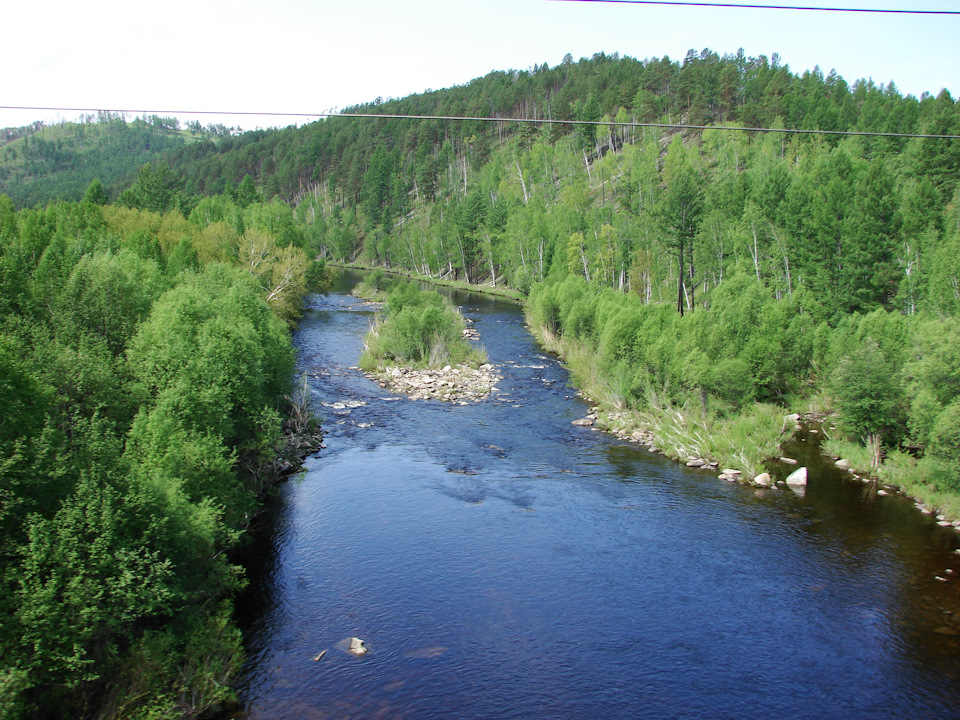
421 328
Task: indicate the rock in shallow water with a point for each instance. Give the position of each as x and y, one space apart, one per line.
798 477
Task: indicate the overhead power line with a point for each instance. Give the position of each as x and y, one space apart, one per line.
541 121
769 7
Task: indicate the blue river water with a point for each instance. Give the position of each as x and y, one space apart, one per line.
499 562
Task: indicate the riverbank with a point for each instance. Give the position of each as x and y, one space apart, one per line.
901 472
743 447
686 434
494 290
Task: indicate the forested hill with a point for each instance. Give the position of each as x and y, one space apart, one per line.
40 163
705 88
726 273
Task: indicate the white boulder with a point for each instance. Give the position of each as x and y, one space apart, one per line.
797 477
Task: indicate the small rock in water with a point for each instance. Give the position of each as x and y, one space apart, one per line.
356 646
843 464
696 462
797 477
788 461
763 480
945 630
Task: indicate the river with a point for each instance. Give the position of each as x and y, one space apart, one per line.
502 563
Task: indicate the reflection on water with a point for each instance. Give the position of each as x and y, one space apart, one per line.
499 562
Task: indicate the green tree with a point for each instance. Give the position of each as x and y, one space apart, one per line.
247 192
868 393
95 193
680 209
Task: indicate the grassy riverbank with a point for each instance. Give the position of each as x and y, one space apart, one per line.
486 289
719 384
743 441
920 478
680 431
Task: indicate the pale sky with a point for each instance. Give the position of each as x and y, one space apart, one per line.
303 56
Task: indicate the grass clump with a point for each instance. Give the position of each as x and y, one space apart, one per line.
373 286
421 329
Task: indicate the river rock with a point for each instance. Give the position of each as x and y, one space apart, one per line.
798 477
763 480
583 422
356 646
788 461
696 462
731 471
843 464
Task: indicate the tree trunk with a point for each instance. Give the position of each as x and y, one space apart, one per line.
526 199
680 293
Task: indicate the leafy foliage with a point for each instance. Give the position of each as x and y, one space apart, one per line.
421 329
141 390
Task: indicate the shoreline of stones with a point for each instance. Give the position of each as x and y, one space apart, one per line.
462 384
797 479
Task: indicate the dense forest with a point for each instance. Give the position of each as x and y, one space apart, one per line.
146 375
702 281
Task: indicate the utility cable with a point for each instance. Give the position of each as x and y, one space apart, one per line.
541 121
769 7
